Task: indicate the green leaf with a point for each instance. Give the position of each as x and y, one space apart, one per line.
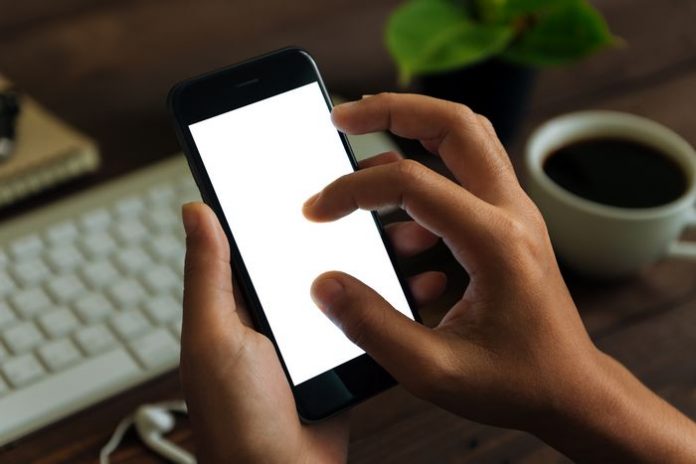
559 35
505 11
427 36
491 11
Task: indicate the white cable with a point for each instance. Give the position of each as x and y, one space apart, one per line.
115 439
169 450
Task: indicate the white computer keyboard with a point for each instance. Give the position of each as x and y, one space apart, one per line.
90 293
90 296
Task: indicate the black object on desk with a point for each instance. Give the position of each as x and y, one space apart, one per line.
9 109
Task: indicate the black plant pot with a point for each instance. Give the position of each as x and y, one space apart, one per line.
498 90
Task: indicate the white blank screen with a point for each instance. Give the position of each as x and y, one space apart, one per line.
264 160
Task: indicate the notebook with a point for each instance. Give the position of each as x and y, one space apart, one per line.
47 152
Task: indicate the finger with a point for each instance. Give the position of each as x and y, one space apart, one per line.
449 129
396 342
427 286
436 203
377 160
209 304
493 136
410 238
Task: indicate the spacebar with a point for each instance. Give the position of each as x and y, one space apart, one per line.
60 394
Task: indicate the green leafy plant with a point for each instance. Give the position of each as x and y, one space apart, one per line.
430 36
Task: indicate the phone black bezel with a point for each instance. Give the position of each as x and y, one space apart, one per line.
223 90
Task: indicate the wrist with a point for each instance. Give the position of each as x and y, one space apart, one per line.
607 415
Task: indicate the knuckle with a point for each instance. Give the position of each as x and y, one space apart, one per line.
523 244
484 120
486 123
536 217
339 182
410 171
537 221
211 268
515 230
445 371
355 328
462 114
438 373
387 96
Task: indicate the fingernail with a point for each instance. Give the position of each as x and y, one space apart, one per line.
189 217
367 95
326 292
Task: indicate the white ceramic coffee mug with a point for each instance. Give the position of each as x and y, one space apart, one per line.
602 240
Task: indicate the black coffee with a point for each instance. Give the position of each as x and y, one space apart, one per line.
617 172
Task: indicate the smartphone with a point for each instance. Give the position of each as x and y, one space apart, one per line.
259 141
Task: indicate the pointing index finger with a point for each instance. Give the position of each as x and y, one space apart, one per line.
433 201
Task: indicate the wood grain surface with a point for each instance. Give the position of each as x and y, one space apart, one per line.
107 65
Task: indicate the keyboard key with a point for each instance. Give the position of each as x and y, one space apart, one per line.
163 219
22 370
156 349
163 309
7 284
31 271
30 302
95 220
95 339
161 194
167 247
132 260
62 233
66 288
93 307
99 244
58 322
22 337
130 232
99 274
26 247
160 279
59 354
67 391
65 258
7 316
127 293
131 206
187 190
129 324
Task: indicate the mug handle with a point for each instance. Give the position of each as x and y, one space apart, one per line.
685 250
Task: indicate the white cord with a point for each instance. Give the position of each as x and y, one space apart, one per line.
115 439
126 422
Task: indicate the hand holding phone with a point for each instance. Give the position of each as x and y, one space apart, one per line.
239 400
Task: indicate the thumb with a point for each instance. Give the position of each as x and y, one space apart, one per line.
399 344
209 307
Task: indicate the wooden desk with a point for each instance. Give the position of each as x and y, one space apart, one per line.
106 66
